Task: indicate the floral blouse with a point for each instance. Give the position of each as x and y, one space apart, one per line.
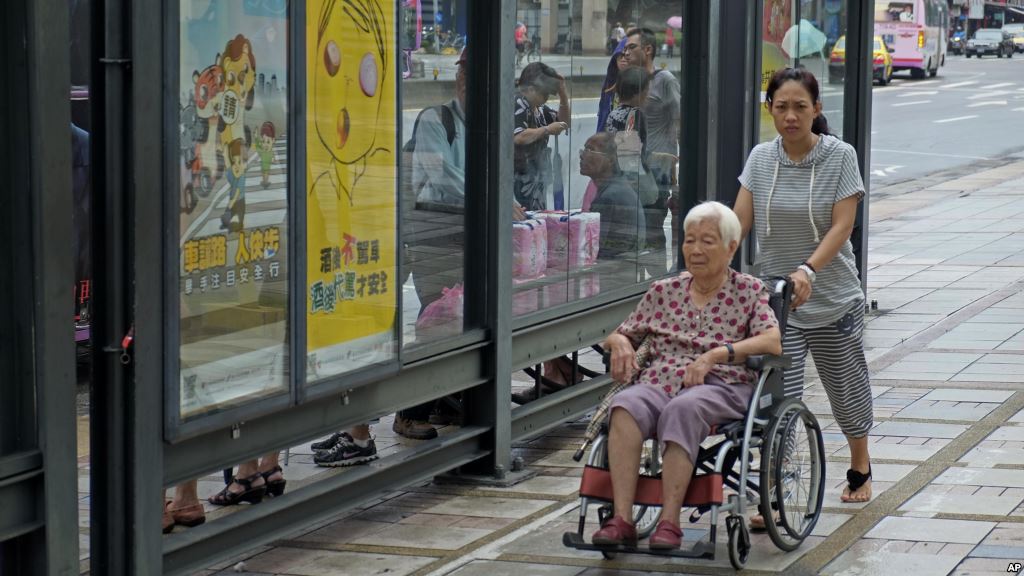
681 331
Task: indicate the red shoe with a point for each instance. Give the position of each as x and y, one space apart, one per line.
615 532
667 536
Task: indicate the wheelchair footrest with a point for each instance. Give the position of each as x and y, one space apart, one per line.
702 549
704 489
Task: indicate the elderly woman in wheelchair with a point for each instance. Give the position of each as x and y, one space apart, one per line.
701 326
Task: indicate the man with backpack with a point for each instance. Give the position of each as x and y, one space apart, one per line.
433 182
662 111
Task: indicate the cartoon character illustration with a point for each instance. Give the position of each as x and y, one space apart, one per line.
348 82
239 68
236 182
265 150
207 160
190 129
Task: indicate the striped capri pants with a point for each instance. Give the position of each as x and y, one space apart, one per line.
838 352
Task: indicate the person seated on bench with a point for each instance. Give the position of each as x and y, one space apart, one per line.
702 325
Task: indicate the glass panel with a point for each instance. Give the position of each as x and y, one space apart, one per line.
433 172
352 291
600 186
234 202
810 35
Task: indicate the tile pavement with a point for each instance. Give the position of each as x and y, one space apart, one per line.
946 351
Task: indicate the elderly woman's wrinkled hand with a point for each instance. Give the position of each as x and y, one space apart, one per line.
695 372
801 288
624 364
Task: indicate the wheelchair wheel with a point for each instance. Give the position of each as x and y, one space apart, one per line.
739 541
792 475
645 518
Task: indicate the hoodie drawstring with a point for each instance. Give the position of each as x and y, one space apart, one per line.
810 202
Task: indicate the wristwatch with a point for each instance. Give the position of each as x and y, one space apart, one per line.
808 270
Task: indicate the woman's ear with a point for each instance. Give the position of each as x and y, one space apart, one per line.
733 246
817 108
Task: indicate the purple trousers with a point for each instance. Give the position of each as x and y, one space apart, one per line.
686 419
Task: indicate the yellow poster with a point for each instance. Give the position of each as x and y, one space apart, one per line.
351 174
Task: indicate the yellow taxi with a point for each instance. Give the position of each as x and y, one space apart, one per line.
881 58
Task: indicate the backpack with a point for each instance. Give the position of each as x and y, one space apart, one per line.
405 185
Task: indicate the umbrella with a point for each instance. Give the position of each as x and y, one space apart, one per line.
803 40
675 22
643 355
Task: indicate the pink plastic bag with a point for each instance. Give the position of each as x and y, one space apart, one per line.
443 317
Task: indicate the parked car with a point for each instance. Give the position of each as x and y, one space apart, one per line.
1017 30
957 41
881 61
990 41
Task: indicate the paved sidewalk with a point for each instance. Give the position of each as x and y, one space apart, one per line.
946 352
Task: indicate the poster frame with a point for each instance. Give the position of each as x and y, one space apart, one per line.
177 429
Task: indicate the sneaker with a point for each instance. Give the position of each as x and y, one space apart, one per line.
346 453
414 429
330 442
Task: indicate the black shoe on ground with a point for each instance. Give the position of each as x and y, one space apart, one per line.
330 442
346 453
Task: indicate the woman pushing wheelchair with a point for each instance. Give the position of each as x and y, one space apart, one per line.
701 325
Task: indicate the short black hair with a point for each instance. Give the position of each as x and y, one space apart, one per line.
632 81
540 77
647 38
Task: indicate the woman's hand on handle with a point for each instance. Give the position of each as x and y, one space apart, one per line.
624 363
801 288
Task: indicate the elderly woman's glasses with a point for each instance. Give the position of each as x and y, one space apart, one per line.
592 151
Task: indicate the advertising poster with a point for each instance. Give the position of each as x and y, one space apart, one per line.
777 20
352 278
233 202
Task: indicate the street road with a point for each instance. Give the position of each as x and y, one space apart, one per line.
973 110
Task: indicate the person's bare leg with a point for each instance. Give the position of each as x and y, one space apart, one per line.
553 372
860 461
676 472
246 470
186 494
268 462
360 431
625 442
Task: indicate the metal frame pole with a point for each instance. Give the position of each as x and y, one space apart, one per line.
857 116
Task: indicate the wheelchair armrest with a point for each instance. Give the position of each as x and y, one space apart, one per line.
761 361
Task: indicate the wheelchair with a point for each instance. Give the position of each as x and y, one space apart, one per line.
787 487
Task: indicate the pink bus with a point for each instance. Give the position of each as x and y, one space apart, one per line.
917 30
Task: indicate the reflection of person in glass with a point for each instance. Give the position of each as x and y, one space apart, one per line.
662 111
622 222
535 121
348 82
236 185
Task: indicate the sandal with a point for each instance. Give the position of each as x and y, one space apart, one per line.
274 487
251 494
855 480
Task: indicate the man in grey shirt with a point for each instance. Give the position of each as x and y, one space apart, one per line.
662 111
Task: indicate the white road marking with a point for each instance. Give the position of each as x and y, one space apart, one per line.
918 93
935 154
1018 109
988 103
1000 85
959 84
925 82
988 95
912 103
887 171
957 119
